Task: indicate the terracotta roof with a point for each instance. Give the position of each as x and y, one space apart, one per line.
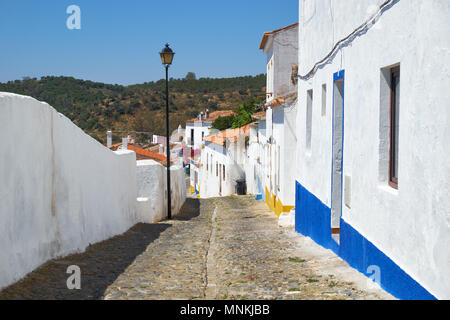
229 134
269 33
213 116
283 99
143 154
148 154
115 145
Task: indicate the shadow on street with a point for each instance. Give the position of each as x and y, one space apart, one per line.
100 265
189 210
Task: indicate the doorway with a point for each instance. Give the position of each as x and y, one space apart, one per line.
338 146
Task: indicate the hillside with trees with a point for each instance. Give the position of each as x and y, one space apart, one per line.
97 107
243 115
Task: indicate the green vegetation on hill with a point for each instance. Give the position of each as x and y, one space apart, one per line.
243 115
97 107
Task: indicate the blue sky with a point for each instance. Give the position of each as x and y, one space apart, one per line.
119 40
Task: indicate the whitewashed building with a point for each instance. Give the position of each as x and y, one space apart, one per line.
251 162
222 162
373 153
255 168
277 145
159 140
196 130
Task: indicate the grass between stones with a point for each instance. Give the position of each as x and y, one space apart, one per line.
297 260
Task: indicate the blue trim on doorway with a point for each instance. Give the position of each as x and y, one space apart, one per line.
313 219
340 75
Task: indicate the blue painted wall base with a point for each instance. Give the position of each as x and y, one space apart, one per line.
313 219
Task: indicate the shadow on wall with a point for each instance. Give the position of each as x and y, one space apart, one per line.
100 266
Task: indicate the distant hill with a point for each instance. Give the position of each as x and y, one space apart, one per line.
96 107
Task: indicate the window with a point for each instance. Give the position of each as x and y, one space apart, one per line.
207 162
309 105
223 172
394 127
192 137
324 100
203 135
217 169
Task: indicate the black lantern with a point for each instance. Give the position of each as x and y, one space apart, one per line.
167 55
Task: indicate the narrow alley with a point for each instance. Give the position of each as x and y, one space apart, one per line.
220 248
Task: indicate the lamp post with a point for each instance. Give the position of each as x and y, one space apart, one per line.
166 59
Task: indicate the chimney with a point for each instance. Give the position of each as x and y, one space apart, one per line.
109 139
125 143
207 114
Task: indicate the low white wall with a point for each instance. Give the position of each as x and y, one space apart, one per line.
60 189
152 190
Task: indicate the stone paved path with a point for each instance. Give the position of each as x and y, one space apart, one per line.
224 248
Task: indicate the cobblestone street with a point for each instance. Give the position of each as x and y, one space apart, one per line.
222 248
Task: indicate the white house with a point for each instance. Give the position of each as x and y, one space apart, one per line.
196 130
281 49
277 146
251 162
159 140
222 162
255 157
373 128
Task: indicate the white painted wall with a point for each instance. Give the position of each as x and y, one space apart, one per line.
285 48
251 161
286 141
152 190
256 165
200 129
233 157
61 190
280 161
262 164
209 177
411 225
282 54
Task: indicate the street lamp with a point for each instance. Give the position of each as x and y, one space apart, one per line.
166 59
